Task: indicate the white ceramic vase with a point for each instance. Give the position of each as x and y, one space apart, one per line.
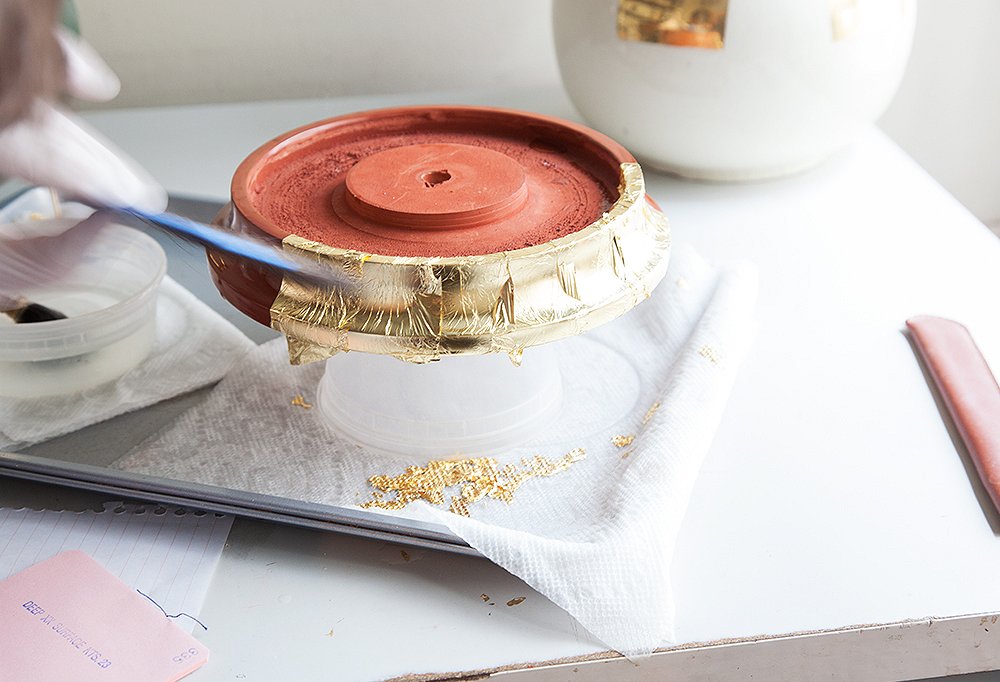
770 87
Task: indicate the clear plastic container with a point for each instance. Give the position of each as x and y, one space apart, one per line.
466 405
109 298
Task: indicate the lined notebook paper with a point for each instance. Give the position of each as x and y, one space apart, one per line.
170 554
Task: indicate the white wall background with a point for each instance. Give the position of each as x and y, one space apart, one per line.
190 51
947 113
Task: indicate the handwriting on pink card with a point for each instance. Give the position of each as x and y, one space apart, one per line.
67 618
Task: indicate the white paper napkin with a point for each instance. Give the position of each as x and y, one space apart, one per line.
597 538
194 347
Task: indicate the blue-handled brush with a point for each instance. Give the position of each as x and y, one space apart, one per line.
269 254
257 250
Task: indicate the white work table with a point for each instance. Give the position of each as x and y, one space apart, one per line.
833 496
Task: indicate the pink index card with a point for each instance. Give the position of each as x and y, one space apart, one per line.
67 618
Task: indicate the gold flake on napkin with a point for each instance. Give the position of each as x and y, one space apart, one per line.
710 354
622 441
300 401
478 477
650 412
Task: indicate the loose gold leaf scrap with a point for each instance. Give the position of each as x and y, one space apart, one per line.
709 354
476 478
300 401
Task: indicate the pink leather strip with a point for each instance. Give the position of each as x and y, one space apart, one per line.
968 389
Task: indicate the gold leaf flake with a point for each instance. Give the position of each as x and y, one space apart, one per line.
503 309
617 257
709 354
299 401
650 412
622 441
428 283
459 506
515 601
216 261
403 553
566 273
354 265
475 478
303 352
484 597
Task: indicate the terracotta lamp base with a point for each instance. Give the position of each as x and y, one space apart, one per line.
464 230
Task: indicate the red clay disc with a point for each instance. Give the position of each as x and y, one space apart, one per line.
431 181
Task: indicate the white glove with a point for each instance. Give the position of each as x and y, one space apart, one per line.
45 254
54 148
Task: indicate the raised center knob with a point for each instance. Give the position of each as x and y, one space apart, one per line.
436 186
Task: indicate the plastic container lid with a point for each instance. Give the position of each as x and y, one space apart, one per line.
109 294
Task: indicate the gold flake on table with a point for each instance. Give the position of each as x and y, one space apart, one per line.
622 440
476 478
300 401
515 601
406 555
485 597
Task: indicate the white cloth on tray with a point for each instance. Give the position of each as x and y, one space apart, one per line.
194 346
598 538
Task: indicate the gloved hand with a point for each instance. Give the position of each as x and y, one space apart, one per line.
43 144
48 145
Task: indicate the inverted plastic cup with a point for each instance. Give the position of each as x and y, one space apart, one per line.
466 405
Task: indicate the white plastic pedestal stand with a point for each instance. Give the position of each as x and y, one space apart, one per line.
466 405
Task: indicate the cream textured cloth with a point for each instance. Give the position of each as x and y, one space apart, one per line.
642 396
194 347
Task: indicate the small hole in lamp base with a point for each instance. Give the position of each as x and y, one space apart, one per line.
435 178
